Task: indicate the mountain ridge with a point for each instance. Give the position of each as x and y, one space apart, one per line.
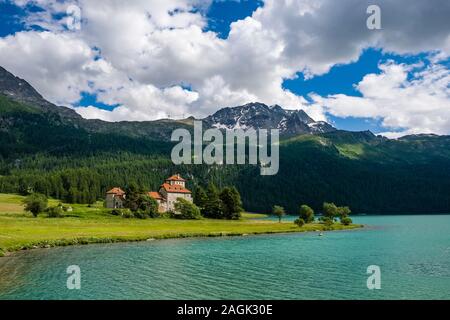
252 115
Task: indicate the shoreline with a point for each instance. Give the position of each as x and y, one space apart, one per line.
48 244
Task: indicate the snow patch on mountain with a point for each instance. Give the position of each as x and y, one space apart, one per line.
260 116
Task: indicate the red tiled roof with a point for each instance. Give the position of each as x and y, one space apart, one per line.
174 188
175 177
155 195
117 191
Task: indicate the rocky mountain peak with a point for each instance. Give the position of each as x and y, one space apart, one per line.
18 89
261 116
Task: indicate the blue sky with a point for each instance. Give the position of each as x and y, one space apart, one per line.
340 79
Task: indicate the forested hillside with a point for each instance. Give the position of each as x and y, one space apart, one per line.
77 160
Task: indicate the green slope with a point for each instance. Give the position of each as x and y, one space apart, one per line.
77 160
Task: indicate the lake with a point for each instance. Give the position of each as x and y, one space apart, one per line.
413 253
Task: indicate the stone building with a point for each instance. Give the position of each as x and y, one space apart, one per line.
173 188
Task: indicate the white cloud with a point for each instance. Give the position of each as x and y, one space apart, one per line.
151 48
56 64
408 98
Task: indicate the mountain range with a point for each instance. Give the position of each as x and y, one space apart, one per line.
252 115
53 150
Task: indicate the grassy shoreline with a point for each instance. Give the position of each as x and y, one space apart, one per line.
89 225
49 243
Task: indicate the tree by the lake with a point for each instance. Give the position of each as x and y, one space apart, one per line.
330 210
306 213
200 197
279 212
35 203
343 213
133 193
231 203
147 205
213 206
186 210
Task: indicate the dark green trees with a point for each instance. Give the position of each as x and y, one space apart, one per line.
225 204
213 206
200 198
147 205
231 203
139 203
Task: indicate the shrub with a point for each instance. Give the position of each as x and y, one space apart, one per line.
140 214
126 213
346 221
186 210
327 221
300 222
55 212
116 212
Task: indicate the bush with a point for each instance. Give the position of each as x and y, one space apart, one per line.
140 214
154 214
346 221
55 212
300 222
127 214
186 210
116 212
327 221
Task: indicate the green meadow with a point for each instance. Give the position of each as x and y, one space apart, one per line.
19 230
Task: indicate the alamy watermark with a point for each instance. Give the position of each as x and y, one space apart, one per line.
374 20
374 280
74 280
230 149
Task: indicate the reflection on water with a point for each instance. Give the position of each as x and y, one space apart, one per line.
412 251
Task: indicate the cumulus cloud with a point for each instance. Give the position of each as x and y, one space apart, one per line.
142 55
140 103
56 64
409 99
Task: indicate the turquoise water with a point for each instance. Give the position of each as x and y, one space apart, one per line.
413 253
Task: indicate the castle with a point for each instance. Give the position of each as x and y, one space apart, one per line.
172 189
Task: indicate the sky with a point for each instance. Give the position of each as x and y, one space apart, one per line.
150 59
